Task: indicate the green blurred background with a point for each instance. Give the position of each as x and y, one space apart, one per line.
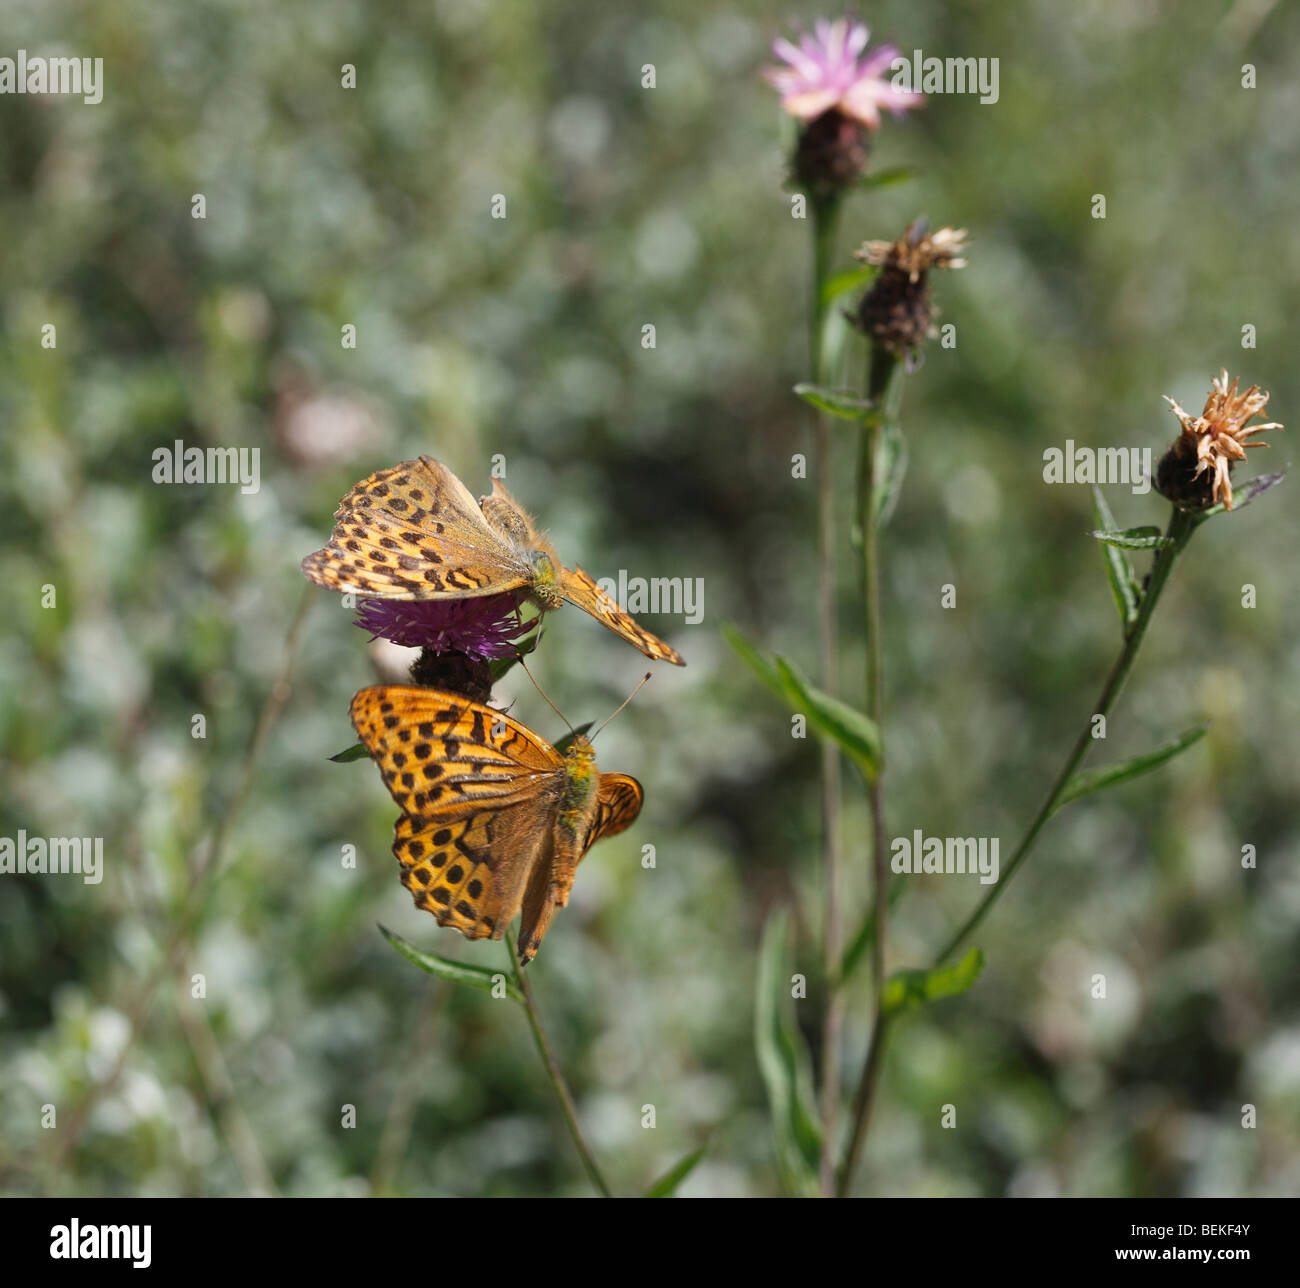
627 206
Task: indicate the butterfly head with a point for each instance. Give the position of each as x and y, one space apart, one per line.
581 777
546 579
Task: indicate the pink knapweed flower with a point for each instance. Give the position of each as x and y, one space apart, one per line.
485 626
828 70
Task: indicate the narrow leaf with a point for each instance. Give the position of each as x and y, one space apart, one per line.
888 177
1245 494
842 283
1255 487
1123 585
499 666
1147 537
834 402
866 935
907 989
784 1063
855 733
753 659
479 977
355 752
890 467
1095 780
666 1186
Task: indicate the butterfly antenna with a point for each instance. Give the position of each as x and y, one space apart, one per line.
542 691
626 700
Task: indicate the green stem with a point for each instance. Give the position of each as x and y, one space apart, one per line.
825 218
884 389
558 1085
1181 527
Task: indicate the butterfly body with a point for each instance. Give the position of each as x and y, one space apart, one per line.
415 532
494 820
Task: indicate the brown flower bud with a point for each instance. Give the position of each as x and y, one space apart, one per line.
831 154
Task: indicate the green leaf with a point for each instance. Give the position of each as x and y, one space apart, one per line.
479 977
888 177
835 402
855 733
666 1186
499 666
1245 494
866 935
890 467
784 1062
907 989
842 283
1095 780
1147 537
355 752
753 659
1255 487
1123 584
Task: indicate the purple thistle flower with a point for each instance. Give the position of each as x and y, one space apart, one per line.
483 626
827 70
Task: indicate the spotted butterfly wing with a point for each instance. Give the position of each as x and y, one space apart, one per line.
478 793
493 816
415 532
579 589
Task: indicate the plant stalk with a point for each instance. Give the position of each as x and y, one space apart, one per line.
825 218
1180 529
556 1078
884 390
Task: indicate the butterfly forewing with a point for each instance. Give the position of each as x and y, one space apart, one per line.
479 793
578 588
415 532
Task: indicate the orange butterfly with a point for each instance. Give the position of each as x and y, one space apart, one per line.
415 532
494 819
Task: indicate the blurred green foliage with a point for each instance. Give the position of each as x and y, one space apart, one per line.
521 336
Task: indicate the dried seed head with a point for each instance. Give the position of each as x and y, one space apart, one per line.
1195 473
897 312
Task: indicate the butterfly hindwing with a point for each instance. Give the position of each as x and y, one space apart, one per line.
617 806
579 589
479 795
618 802
470 872
414 532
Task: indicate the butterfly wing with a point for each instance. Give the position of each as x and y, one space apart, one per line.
415 532
479 795
618 802
579 589
539 907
